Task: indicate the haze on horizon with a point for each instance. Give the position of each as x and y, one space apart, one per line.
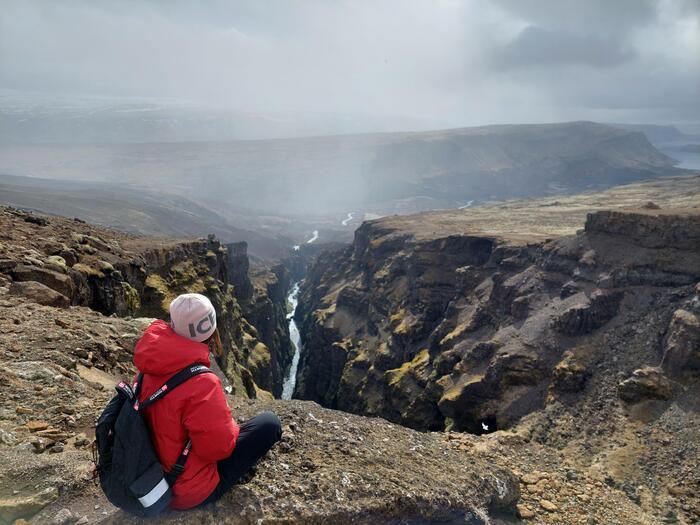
394 64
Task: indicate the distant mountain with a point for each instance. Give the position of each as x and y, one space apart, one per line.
381 173
689 148
38 119
660 136
130 211
682 147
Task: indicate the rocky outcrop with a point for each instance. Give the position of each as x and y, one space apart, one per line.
436 329
58 370
337 468
682 344
651 229
58 367
646 383
12 509
59 282
594 312
266 309
39 293
59 262
238 270
569 375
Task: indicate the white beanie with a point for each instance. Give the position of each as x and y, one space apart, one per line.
193 316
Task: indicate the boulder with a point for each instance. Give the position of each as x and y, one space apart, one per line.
34 219
569 376
586 316
646 383
56 263
682 344
520 307
99 243
39 293
59 282
105 267
69 256
63 517
16 507
7 264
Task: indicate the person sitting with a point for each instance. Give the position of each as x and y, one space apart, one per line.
222 452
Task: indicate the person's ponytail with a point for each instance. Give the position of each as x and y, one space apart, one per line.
215 343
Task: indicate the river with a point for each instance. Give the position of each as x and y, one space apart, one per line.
314 237
291 380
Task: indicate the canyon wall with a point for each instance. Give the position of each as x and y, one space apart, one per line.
434 326
68 262
262 294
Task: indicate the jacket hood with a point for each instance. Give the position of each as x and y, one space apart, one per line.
160 351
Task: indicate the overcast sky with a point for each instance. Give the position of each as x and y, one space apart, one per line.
449 62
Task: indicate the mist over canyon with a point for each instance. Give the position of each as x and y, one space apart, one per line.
284 189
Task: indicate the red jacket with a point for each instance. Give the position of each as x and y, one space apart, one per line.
196 409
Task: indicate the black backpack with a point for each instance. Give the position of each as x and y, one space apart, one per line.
130 473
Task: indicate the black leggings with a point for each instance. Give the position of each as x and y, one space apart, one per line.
257 436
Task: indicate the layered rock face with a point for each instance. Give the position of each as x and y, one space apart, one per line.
580 351
62 262
436 328
262 294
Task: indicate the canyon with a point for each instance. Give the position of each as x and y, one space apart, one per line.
74 299
532 360
576 318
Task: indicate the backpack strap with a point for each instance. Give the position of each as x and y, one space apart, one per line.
136 388
179 466
172 383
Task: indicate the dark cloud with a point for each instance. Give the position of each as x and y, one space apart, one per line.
536 46
590 16
441 62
